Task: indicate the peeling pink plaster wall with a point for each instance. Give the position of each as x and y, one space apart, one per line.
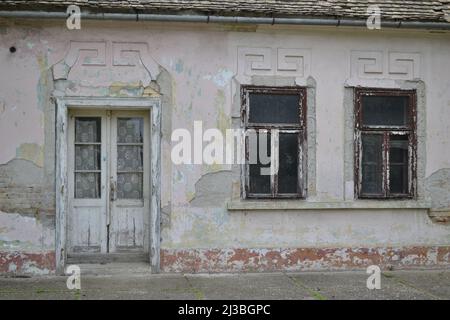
202 63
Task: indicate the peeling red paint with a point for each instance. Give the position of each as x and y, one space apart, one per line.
443 254
301 259
24 263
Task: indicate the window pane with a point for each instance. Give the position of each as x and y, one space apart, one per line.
87 185
130 130
258 183
398 164
288 163
372 164
274 108
385 110
87 157
87 130
129 158
129 185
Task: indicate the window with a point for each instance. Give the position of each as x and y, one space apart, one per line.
275 124
385 143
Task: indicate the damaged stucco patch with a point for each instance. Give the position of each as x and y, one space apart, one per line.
301 259
28 233
27 243
209 192
31 152
126 89
438 188
23 190
27 263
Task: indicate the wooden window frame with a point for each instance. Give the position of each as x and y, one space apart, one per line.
292 128
386 131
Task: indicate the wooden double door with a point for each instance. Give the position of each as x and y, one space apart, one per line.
109 192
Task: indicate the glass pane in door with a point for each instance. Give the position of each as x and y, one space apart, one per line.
87 157
130 162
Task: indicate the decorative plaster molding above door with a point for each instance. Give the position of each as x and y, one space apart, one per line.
92 67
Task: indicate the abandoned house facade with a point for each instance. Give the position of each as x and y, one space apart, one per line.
92 120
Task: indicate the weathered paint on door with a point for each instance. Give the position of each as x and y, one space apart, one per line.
108 181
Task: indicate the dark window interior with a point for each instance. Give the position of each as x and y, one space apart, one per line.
372 164
385 111
258 183
386 143
398 163
288 163
274 108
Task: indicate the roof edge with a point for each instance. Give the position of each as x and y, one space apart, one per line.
207 18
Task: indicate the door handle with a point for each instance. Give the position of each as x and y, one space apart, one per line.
112 190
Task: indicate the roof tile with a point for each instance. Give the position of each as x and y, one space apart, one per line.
415 10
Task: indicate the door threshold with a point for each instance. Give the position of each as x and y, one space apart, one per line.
104 258
128 269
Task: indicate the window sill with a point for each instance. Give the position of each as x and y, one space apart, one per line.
247 205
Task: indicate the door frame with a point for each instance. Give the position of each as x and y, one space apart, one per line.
153 105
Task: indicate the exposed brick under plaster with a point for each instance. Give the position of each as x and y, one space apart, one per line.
259 260
27 263
302 259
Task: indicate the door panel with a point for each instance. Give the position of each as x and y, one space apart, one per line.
129 165
108 163
86 235
87 182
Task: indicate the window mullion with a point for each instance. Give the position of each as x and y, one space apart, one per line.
411 162
274 150
386 164
247 166
301 170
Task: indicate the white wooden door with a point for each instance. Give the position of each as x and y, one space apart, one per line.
129 196
109 177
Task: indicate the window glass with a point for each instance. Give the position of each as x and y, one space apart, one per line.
87 129
87 185
288 163
130 162
372 164
130 130
259 183
385 110
274 108
398 164
129 185
87 157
